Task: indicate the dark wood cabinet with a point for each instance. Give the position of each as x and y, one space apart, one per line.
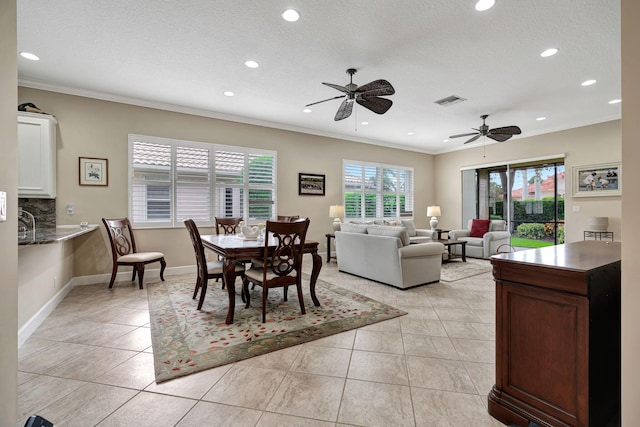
558 335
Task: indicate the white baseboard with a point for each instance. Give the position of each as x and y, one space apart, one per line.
149 274
36 320
125 276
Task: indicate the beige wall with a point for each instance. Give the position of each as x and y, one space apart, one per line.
599 143
630 208
94 128
8 229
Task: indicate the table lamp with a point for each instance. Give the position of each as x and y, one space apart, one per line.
433 212
336 212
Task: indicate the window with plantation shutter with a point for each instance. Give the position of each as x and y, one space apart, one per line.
373 191
173 180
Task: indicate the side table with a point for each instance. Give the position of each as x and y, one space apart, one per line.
329 237
441 232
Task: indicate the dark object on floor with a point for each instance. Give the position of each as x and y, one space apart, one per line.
37 421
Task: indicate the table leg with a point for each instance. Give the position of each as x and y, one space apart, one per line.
315 272
464 252
328 248
229 270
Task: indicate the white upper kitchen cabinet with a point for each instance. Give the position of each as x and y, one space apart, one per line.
36 155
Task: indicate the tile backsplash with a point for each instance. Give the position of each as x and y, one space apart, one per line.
43 210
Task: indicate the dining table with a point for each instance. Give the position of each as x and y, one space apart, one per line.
234 248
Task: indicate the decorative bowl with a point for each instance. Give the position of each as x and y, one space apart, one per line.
250 231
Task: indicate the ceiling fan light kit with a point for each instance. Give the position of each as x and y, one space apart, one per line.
368 95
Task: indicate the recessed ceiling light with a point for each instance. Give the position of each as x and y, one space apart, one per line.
364 123
307 110
228 93
541 118
549 52
445 140
409 133
290 15
483 5
30 56
588 82
615 101
251 64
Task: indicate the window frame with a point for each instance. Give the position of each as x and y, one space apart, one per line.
213 149
380 191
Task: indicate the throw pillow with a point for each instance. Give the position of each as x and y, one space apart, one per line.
385 230
392 223
479 227
411 227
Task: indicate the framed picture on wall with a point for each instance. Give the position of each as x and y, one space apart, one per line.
604 179
310 184
93 171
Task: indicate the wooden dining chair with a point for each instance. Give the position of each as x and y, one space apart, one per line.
282 266
227 225
124 251
206 269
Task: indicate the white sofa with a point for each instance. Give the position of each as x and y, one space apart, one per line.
481 247
383 254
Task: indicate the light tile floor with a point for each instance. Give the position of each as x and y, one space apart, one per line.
91 363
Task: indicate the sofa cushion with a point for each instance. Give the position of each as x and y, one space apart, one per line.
353 228
479 227
473 241
498 225
420 239
385 230
411 227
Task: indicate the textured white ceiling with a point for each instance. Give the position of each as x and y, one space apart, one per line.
182 56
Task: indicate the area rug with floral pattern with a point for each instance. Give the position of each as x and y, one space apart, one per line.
186 340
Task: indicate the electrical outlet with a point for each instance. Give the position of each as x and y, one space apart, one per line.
69 209
3 206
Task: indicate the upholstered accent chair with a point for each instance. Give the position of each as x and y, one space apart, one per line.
483 237
124 251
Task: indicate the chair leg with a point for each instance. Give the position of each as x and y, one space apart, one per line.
163 265
245 292
300 297
203 293
114 270
286 293
198 284
133 276
265 293
140 268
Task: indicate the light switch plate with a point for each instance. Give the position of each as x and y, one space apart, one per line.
3 206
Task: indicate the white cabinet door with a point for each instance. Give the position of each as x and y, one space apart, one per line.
36 155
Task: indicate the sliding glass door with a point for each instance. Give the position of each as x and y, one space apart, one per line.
530 197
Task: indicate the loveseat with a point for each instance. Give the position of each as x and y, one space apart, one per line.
481 244
384 254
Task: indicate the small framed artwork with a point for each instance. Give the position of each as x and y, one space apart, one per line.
604 179
93 171
310 184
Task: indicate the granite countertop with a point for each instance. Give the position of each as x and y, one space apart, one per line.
44 235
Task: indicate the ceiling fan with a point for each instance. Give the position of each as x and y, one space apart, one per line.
497 134
366 95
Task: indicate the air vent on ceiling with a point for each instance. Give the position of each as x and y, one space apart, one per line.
449 100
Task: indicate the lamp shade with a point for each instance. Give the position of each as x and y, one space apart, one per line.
433 211
336 211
